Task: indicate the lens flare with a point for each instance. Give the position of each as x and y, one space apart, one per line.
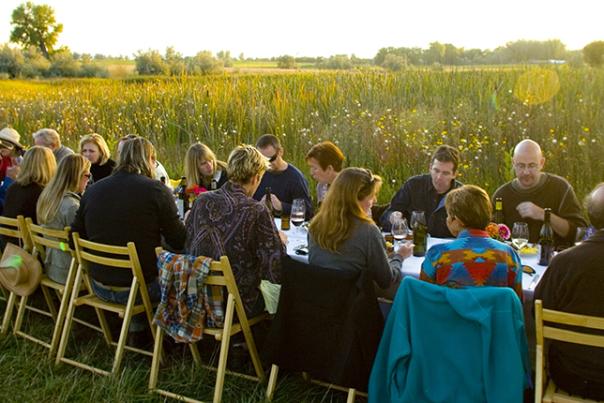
537 86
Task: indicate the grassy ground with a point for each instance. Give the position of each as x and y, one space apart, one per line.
28 375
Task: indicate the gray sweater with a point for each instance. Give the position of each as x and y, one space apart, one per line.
57 262
364 250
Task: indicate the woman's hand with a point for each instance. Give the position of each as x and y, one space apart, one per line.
405 250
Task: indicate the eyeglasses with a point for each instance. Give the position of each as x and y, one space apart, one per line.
529 167
273 158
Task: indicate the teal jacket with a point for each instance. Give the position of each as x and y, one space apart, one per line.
451 345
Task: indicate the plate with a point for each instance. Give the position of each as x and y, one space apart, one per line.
528 251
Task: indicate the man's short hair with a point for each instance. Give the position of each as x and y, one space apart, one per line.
327 153
446 153
268 140
49 137
595 207
471 205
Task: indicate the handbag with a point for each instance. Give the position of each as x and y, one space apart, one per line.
20 272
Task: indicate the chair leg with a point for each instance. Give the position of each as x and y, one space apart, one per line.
351 395
49 302
195 354
251 344
157 352
119 352
69 317
20 314
8 313
272 382
224 349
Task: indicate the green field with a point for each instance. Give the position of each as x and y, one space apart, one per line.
388 122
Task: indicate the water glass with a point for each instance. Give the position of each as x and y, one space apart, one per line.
520 235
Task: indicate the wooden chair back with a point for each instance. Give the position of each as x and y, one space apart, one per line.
544 331
16 228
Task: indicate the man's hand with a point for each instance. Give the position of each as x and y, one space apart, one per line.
530 210
275 200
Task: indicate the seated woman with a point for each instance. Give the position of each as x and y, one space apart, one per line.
95 149
343 236
474 258
203 169
230 222
38 167
325 161
57 207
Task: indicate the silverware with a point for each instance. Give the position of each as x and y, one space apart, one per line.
534 282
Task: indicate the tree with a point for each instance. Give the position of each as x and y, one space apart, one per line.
150 62
35 26
286 62
593 53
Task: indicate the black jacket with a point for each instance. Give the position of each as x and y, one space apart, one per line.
128 207
328 324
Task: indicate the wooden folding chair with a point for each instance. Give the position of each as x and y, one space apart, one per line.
118 258
43 239
13 228
220 275
552 392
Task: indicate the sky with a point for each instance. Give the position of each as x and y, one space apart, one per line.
267 28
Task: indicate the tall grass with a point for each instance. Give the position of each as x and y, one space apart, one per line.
384 121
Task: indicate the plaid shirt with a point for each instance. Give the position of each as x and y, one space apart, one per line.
186 304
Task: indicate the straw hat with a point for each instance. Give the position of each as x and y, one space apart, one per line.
20 272
10 135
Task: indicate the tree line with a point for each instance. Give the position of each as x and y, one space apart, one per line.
36 30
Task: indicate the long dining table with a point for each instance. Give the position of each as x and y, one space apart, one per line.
297 238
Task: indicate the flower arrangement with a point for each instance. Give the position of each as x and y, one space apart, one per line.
195 190
501 232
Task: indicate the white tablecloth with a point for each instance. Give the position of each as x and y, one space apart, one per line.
412 265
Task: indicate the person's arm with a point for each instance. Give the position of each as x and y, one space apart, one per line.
515 275
384 273
4 187
400 202
428 271
171 228
268 246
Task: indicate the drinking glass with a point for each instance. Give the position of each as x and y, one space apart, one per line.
520 235
399 231
581 235
297 213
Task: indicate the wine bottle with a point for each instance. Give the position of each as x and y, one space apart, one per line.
498 216
268 200
420 233
546 239
182 200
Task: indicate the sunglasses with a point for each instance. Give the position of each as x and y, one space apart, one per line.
273 158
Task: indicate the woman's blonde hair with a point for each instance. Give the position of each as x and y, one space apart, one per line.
196 154
100 142
244 162
38 166
68 177
334 222
135 157
470 204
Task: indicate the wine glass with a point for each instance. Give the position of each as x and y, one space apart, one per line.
399 231
520 235
298 212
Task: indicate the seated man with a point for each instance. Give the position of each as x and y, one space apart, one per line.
525 197
51 139
427 193
573 283
285 180
474 258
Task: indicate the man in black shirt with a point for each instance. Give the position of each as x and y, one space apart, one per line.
573 283
427 193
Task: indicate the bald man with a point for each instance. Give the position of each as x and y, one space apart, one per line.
525 197
573 283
